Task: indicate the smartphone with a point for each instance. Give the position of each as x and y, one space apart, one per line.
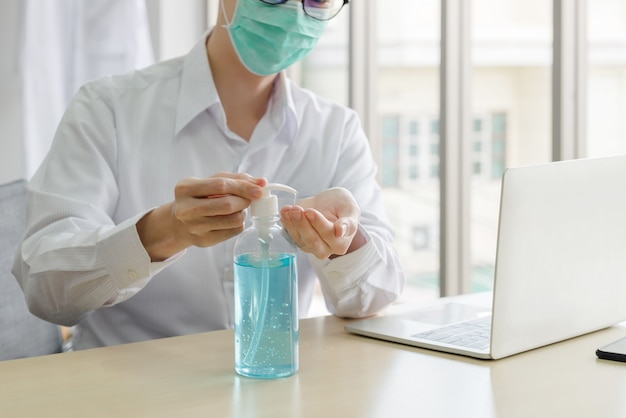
615 351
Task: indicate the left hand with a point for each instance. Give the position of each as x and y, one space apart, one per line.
326 224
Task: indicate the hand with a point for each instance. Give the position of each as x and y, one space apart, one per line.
204 212
325 225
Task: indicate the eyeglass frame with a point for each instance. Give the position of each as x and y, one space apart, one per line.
269 3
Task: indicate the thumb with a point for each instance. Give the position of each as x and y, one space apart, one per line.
344 227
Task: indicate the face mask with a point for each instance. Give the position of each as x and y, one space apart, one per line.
268 39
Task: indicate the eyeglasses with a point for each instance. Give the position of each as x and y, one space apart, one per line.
317 9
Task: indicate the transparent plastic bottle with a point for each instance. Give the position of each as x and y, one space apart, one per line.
266 294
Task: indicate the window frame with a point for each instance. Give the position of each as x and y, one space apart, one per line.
569 103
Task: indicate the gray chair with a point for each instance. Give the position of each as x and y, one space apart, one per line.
21 333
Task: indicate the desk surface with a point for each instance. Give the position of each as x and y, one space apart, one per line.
341 375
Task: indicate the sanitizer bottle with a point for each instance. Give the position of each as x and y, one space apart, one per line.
266 289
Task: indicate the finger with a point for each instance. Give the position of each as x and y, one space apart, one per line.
221 206
317 233
204 231
341 229
338 236
345 227
208 224
249 189
313 233
301 232
241 176
245 177
240 184
316 225
193 210
290 216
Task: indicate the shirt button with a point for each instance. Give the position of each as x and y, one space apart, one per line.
132 274
334 275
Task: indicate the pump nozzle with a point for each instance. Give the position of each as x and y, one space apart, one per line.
267 205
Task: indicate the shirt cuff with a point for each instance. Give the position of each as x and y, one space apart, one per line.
127 260
344 272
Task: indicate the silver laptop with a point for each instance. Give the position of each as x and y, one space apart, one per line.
560 267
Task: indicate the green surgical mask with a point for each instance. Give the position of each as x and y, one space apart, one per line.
270 38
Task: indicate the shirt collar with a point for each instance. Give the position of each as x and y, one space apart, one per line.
282 109
198 92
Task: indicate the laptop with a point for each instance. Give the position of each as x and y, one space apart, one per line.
560 268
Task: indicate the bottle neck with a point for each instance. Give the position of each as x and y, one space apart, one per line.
265 220
265 226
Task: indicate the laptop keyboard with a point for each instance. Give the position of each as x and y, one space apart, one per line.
475 333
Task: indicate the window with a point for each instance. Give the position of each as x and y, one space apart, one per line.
414 128
606 106
407 81
391 128
510 108
394 49
325 69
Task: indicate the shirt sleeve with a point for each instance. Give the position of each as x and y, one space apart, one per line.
360 283
74 258
367 280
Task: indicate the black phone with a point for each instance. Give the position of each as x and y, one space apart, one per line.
614 351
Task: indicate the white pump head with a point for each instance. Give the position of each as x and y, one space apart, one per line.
267 205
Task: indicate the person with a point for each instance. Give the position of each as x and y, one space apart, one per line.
133 215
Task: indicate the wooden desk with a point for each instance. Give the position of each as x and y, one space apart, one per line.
341 375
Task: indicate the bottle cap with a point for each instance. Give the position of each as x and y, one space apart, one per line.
267 205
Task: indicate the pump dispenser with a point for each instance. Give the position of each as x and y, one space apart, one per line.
266 289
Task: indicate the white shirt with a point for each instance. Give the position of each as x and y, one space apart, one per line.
124 143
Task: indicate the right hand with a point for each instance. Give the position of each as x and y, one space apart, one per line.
204 212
